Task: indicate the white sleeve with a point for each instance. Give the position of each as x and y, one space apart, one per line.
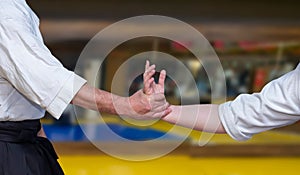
31 68
275 106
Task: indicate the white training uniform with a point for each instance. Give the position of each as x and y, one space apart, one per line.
32 80
278 104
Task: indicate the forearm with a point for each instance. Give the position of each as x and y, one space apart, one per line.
136 104
200 117
96 99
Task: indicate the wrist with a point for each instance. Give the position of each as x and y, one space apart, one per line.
172 116
139 102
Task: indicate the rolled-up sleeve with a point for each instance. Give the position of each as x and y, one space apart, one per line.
31 68
275 106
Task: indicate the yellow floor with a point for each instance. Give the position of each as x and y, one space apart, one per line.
185 165
180 165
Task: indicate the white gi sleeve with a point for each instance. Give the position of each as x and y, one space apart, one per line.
31 68
275 106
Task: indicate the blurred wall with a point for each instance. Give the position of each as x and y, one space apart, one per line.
216 19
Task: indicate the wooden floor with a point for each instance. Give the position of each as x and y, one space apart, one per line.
233 150
85 159
180 165
270 153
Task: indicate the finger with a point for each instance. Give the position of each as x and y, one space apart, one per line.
162 78
150 68
148 75
160 106
148 86
161 114
158 97
149 82
166 112
147 65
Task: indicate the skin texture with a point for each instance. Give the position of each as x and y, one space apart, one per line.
198 117
140 105
149 103
42 133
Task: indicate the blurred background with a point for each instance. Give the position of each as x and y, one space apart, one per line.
256 41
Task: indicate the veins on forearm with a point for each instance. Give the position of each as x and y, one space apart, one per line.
106 102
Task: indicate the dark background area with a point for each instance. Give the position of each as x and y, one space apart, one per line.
193 10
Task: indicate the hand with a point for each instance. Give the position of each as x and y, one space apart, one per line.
159 102
148 106
151 103
150 87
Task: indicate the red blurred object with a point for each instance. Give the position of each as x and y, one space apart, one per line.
248 45
218 44
260 78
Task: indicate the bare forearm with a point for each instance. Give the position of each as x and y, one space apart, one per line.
110 103
96 99
200 117
128 106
